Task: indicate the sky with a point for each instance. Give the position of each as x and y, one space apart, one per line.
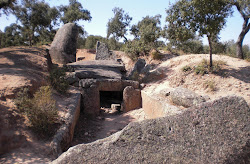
101 12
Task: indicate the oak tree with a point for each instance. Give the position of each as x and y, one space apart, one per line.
206 17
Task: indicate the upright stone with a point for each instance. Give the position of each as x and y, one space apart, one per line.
102 52
63 47
131 99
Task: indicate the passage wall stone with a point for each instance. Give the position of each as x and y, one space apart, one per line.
63 47
131 99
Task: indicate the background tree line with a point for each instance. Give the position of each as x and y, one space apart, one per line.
186 22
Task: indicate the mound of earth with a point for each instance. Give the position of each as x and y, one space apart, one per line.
233 79
21 67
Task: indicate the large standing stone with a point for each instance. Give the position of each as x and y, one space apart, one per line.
185 97
138 67
63 47
216 132
102 52
131 99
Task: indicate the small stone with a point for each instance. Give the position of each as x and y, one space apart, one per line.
86 133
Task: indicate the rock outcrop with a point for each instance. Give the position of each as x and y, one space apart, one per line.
63 47
185 97
215 132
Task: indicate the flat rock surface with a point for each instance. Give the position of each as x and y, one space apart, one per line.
216 132
98 73
97 64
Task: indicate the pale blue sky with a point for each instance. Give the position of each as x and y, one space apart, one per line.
101 12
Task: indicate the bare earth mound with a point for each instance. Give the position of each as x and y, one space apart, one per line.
234 78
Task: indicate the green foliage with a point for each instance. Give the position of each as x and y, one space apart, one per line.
57 79
91 41
204 67
12 36
6 6
186 68
146 33
118 25
23 101
136 48
43 112
210 84
40 110
194 46
202 16
36 17
74 12
148 30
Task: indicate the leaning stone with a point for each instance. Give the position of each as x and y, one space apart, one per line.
215 132
63 47
185 97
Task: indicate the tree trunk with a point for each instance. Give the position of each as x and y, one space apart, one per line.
210 50
126 40
245 29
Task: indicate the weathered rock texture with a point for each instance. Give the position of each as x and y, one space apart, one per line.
102 52
91 92
63 47
131 99
185 97
64 135
138 67
216 132
155 106
99 69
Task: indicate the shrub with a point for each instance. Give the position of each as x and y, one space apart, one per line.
186 68
40 110
23 100
43 112
57 79
204 68
210 84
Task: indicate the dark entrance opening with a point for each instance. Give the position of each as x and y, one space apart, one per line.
110 97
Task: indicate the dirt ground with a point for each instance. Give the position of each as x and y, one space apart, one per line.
88 130
24 66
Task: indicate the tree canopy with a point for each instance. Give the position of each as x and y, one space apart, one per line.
6 6
202 16
148 30
118 25
35 16
74 12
